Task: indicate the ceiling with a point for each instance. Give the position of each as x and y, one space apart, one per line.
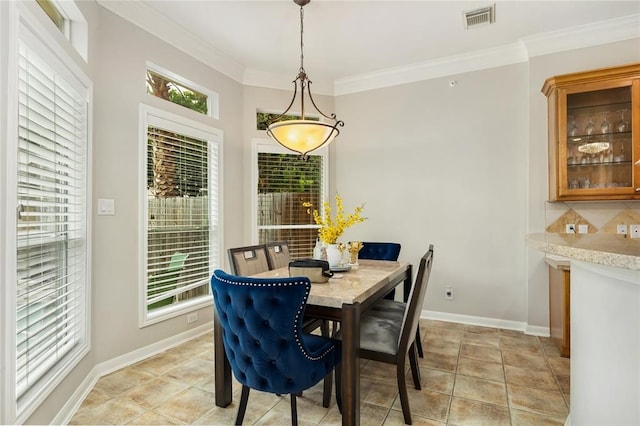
258 42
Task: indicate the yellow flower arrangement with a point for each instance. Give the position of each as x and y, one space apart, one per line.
331 229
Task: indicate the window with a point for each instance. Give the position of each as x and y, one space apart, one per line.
52 182
173 88
182 223
54 14
285 186
68 19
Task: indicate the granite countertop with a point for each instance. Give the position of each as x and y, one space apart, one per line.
353 286
603 249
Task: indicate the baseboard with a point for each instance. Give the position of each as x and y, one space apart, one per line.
104 368
536 330
486 322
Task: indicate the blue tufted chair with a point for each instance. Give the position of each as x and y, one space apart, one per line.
263 338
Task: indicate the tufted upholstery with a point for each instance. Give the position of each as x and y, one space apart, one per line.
379 251
262 333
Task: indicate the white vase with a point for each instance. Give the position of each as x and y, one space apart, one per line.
334 257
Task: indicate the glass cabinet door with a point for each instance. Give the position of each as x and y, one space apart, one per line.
598 139
594 138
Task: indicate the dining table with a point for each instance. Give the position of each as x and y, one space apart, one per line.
343 298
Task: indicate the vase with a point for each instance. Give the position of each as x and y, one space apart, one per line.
334 256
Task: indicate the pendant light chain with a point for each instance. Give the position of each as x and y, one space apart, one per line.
302 135
301 39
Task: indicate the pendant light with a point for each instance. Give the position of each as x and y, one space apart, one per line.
304 135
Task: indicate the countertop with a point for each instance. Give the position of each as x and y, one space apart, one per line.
603 249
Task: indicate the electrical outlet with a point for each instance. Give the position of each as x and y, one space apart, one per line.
193 317
634 231
570 228
583 229
622 229
448 293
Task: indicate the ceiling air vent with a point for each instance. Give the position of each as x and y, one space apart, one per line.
477 17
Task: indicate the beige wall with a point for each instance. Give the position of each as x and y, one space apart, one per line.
445 165
119 91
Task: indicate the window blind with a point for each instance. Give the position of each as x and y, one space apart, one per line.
182 222
51 219
289 189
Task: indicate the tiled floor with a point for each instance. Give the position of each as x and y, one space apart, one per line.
470 376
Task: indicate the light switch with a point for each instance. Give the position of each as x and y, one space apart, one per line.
106 207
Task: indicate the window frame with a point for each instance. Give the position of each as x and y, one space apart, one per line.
213 99
150 116
262 145
25 25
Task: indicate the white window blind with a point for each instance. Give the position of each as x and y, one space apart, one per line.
183 223
51 220
287 186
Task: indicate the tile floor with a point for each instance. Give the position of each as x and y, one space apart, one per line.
470 376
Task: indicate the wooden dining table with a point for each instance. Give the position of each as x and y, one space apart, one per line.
343 299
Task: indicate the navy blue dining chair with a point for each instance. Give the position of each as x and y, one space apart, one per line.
264 340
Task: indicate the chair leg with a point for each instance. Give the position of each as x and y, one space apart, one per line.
338 372
415 368
419 342
335 327
326 392
294 411
402 388
244 397
324 328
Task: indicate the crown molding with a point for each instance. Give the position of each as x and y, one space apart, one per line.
168 31
594 34
278 81
478 60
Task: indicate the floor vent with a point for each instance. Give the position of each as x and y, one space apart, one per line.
477 17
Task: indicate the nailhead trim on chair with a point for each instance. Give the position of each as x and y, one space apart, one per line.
299 313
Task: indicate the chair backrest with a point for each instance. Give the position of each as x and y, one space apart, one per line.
261 321
278 254
379 251
248 260
416 301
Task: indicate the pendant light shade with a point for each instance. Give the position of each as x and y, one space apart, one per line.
303 135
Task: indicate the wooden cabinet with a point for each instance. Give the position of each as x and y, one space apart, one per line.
594 134
559 303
